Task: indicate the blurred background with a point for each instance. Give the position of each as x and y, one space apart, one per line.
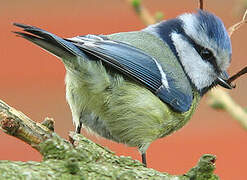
32 80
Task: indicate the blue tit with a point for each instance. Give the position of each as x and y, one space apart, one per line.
135 87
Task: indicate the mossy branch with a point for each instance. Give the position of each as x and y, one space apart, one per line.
81 160
16 124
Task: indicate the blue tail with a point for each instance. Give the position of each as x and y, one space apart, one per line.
50 42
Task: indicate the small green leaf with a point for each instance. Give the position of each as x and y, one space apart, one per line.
159 16
136 3
217 106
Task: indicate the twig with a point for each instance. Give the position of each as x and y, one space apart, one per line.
219 98
236 26
142 12
237 75
201 4
17 124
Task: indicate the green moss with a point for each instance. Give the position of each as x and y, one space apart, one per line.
87 160
204 169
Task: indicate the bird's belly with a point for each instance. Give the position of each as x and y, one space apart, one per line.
121 110
95 125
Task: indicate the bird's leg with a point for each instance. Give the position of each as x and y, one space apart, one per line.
78 128
144 160
78 131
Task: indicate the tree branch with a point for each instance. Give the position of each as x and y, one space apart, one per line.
15 123
82 160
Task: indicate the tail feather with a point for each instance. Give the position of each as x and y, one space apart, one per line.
54 48
49 41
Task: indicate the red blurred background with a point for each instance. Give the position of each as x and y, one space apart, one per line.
32 81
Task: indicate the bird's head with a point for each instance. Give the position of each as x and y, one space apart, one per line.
202 45
204 49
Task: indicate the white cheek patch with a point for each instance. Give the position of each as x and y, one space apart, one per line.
199 71
196 31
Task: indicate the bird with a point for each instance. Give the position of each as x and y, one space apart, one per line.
136 87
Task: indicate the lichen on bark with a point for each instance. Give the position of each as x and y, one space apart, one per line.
78 158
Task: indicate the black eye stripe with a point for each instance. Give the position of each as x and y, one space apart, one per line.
201 50
206 54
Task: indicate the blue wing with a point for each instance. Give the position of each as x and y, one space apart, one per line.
127 59
137 65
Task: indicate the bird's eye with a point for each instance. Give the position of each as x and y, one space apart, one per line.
206 54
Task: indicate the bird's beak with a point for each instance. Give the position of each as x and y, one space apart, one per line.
222 80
